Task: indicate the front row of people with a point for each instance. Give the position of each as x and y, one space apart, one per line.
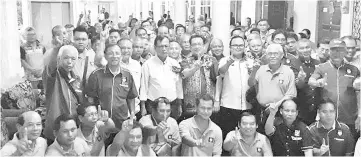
159 134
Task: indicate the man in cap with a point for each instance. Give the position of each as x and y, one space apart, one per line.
336 77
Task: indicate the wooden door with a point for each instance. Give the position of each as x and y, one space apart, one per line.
277 11
329 19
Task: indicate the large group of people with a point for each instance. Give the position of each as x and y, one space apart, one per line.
145 89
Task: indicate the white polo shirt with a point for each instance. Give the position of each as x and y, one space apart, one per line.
235 84
212 147
80 148
80 63
10 148
97 140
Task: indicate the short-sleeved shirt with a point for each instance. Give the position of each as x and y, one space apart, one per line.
10 148
273 87
290 141
80 148
143 150
260 146
34 57
97 140
112 92
214 141
339 138
171 133
339 89
289 60
80 63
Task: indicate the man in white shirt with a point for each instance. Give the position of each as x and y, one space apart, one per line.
164 139
27 141
235 70
133 66
66 142
160 78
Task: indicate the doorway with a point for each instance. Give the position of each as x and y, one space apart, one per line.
329 19
277 14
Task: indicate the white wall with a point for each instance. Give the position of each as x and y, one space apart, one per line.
248 10
305 16
346 21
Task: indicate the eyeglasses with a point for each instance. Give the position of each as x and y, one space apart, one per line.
163 46
237 46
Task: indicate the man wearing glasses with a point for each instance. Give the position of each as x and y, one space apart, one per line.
160 78
351 56
274 82
164 137
234 70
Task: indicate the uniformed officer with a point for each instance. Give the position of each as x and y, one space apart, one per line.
289 136
307 97
330 137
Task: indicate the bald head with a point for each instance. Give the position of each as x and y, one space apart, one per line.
29 125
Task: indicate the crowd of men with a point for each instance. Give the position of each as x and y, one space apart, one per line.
138 89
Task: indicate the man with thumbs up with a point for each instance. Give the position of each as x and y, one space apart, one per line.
336 78
330 137
201 136
307 97
246 141
27 141
95 126
164 133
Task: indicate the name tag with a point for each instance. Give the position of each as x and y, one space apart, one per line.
339 139
296 138
349 76
211 139
124 82
259 150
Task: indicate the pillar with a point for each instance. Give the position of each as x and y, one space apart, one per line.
346 20
157 8
179 12
220 22
248 9
305 16
26 12
145 9
197 8
10 64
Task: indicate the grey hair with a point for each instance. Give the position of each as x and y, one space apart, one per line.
66 48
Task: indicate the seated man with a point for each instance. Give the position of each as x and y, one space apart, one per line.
246 141
66 143
200 136
331 137
27 141
289 136
129 141
94 126
165 139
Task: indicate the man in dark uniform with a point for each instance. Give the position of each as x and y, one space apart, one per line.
307 97
288 135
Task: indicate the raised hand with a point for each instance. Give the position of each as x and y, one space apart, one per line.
230 60
81 16
24 144
216 106
324 148
301 74
237 136
323 81
103 115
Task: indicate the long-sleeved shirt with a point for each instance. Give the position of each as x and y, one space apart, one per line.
160 79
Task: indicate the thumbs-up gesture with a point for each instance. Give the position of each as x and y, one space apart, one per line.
103 115
237 136
24 144
162 126
301 74
324 148
323 81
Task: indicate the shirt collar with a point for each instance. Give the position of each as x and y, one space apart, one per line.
333 65
195 126
81 135
335 125
60 148
256 138
107 70
278 71
160 61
